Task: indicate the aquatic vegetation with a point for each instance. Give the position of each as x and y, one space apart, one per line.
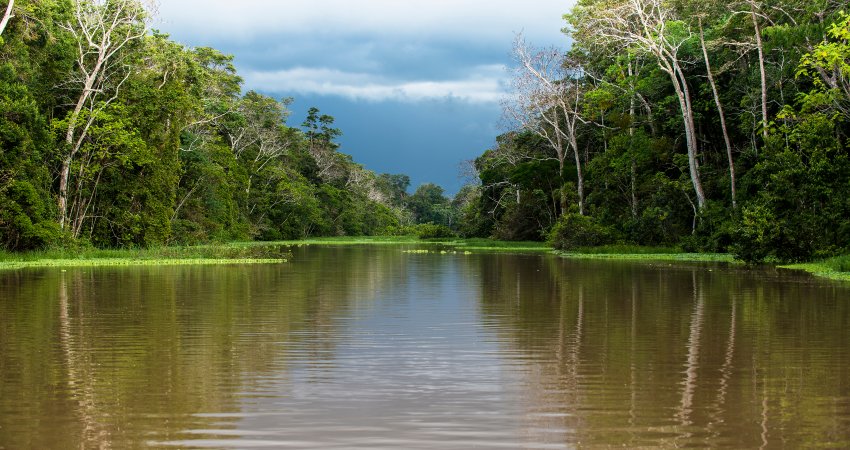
837 268
196 255
115 262
695 257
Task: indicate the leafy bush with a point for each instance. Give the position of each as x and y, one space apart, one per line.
575 230
398 230
432 231
755 235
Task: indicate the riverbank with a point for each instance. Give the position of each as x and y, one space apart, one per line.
639 253
159 256
239 252
619 252
277 252
837 268
454 244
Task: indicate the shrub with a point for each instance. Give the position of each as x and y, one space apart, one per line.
432 231
574 230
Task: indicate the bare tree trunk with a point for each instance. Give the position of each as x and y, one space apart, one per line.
633 171
722 115
760 47
9 14
71 148
683 93
580 175
185 198
641 25
100 31
559 150
545 89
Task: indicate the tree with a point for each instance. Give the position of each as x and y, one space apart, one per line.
547 95
320 133
648 27
719 104
756 16
429 204
394 187
26 212
7 15
828 66
102 31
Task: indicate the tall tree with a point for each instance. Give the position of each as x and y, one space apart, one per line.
650 27
7 15
547 96
102 30
721 113
757 16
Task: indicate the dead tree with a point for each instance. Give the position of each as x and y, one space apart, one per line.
546 100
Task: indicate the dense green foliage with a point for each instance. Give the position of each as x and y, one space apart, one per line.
645 77
153 143
710 126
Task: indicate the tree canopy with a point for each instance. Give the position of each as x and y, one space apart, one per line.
715 126
113 135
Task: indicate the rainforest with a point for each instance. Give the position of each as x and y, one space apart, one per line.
702 126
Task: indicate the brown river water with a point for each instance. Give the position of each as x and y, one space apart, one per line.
371 347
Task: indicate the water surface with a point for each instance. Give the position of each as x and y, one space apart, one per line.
371 347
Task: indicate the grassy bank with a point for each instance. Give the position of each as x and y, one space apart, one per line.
837 268
639 253
197 255
490 245
346 240
463 245
277 252
237 252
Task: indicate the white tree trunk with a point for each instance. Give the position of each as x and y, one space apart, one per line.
633 168
641 25
101 30
547 102
72 147
680 85
722 116
580 175
760 47
7 16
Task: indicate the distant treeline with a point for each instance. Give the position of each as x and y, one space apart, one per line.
113 135
713 125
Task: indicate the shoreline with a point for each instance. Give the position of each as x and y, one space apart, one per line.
274 253
678 257
123 262
818 270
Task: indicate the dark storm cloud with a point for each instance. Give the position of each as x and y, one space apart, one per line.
415 86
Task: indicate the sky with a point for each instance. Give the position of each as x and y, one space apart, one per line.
415 86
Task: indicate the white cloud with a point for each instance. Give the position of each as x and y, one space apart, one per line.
484 85
373 50
427 18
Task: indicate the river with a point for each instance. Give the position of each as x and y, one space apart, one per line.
374 347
